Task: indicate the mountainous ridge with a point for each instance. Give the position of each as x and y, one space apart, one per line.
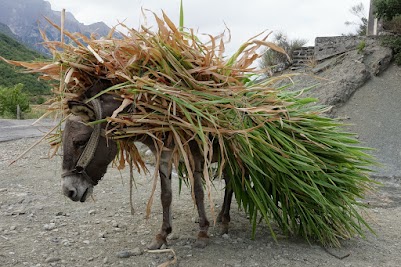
20 38
25 17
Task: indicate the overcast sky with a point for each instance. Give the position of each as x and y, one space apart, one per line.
306 19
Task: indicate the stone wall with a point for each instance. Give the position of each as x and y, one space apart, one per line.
328 47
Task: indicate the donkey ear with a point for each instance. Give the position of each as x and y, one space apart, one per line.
82 110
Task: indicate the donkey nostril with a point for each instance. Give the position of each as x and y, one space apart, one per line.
71 193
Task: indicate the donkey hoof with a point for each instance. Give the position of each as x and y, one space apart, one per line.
224 229
219 218
157 243
201 242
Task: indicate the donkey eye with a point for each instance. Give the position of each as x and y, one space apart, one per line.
79 143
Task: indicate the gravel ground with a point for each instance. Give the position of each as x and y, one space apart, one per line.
40 227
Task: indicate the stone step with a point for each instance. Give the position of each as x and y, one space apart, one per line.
302 57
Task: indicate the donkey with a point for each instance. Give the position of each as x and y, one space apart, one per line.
87 153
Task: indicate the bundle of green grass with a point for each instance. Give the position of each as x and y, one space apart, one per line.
289 164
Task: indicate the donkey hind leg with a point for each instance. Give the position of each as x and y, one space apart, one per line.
203 237
224 215
166 198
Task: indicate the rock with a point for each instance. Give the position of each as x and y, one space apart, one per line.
324 66
49 226
52 259
102 235
3 190
123 254
226 236
173 236
18 212
92 212
105 260
55 240
328 47
13 227
378 59
342 87
137 251
66 243
344 64
87 242
126 254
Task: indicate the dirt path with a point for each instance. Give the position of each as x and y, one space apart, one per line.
374 113
40 227
16 129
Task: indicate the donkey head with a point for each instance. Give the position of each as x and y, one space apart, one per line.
86 150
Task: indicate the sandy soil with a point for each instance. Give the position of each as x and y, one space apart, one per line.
40 227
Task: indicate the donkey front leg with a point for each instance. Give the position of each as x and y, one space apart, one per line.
203 237
166 198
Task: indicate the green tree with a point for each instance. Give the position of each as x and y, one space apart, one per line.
10 98
387 9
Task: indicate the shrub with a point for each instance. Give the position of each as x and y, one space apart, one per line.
393 26
394 42
10 98
37 100
361 47
272 58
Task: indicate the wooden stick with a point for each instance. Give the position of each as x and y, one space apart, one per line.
62 45
62 26
99 58
167 263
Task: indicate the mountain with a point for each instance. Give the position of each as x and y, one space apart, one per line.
9 76
6 30
24 17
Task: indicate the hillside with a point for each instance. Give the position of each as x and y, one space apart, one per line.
6 30
10 76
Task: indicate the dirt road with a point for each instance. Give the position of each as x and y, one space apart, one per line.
40 227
